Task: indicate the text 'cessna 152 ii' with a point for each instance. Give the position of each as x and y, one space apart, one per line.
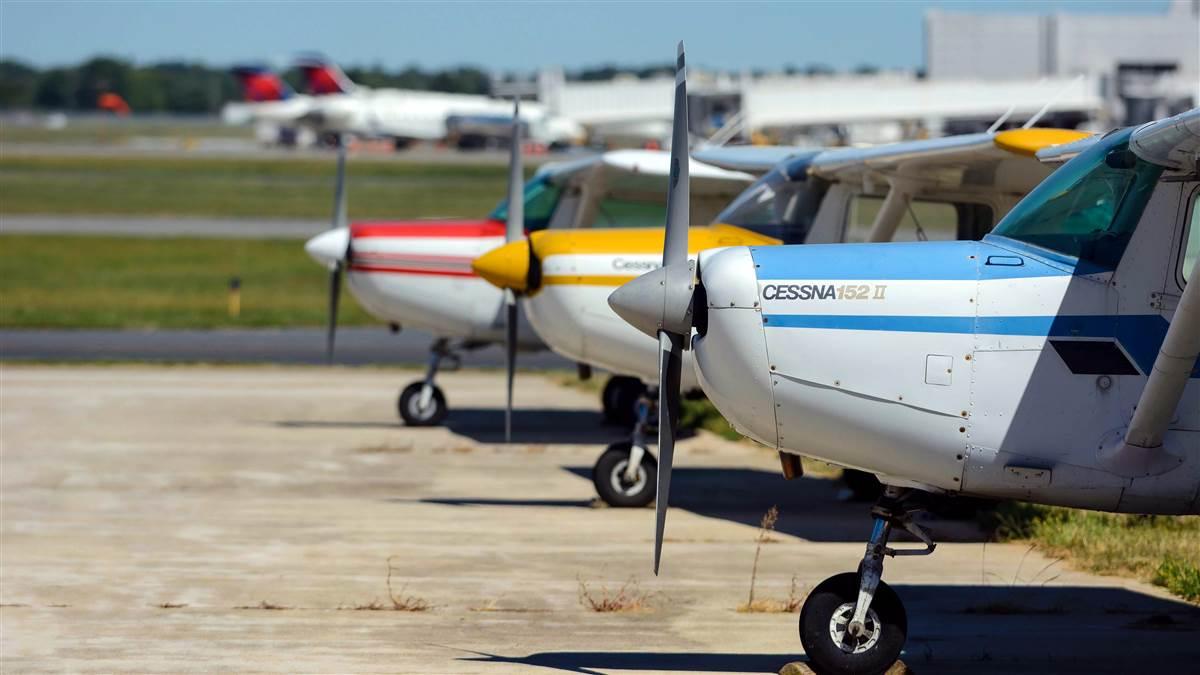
418 274
940 189
1055 361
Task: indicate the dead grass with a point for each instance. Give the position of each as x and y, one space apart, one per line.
384 449
628 598
402 602
789 605
264 605
765 527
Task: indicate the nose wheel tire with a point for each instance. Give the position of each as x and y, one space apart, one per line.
411 411
826 617
619 400
613 483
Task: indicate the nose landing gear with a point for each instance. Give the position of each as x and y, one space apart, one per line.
626 474
422 403
854 623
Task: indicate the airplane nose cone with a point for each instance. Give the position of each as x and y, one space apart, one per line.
640 301
506 266
329 248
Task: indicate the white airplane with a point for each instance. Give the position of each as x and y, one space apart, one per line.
268 102
941 189
340 106
418 273
1054 362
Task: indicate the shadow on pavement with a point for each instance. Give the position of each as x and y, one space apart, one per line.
556 503
970 628
599 662
549 425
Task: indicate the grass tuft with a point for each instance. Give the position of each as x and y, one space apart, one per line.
1180 577
628 598
1164 550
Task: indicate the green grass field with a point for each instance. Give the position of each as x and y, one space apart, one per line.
113 131
1161 549
126 282
244 188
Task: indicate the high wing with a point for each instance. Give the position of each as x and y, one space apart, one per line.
756 159
998 161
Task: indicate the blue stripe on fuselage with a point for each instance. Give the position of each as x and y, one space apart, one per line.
1140 334
897 261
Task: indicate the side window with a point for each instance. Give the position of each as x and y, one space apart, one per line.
1191 249
938 221
613 212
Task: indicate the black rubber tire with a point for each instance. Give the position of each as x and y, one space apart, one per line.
609 463
826 656
864 487
619 400
407 406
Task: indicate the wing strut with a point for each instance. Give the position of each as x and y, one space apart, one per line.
1141 452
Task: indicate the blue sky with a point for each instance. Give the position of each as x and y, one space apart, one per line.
500 35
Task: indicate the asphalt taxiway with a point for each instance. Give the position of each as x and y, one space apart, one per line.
160 519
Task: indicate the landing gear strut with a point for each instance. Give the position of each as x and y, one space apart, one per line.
854 622
422 403
619 400
626 473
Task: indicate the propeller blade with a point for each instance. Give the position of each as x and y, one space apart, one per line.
670 366
675 245
339 191
515 225
335 271
510 349
335 292
514 231
670 343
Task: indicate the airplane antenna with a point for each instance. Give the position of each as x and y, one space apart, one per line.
1053 99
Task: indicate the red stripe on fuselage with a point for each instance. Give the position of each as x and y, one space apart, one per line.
412 270
434 229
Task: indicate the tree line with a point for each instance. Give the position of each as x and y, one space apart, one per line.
183 87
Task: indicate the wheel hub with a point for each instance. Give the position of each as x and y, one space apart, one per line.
841 636
624 486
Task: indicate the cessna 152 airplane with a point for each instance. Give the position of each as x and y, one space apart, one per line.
1055 361
418 273
948 188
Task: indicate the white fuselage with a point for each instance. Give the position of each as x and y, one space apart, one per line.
992 368
419 275
576 321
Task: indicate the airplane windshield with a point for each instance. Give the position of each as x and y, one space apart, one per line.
541 196
777 206
1088 209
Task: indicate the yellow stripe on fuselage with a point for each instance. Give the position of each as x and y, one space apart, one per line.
587 280
632 241
1028 141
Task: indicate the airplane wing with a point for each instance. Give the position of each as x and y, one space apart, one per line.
649 170
757 159
997 161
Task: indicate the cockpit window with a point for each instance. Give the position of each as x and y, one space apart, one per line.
541 197
777 206
1089 208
